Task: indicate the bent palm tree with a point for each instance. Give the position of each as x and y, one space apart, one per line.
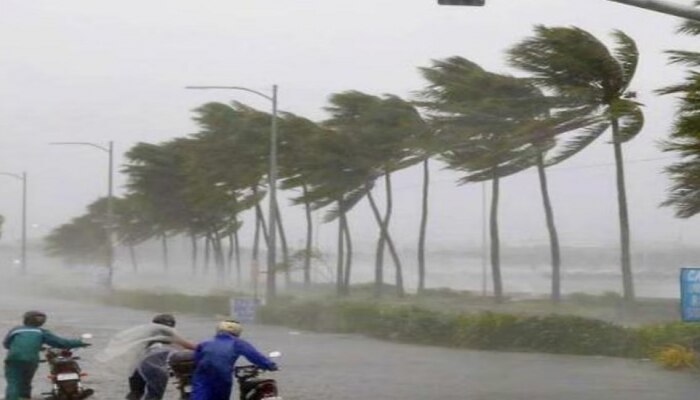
478 114
578 68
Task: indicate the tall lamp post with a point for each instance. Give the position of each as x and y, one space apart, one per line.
108 225
271 286
22 177
662 6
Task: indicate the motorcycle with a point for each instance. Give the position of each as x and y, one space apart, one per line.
181 365
250 385
253 387
66 375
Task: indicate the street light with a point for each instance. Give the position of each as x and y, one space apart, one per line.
110 201
665 7
23 178
271 286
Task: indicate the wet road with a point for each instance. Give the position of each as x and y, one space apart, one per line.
343 367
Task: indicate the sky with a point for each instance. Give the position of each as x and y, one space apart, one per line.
100 71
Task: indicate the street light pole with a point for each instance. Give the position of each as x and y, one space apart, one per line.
110 213
665 7
23 178
661 6
271 283
272 230
109 217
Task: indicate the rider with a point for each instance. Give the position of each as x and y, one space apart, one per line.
150 377
24 344
215 360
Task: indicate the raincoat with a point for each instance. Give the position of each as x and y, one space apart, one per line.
214 362
142 350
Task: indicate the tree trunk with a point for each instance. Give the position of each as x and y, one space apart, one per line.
132 255
309 240
394 254
263 224
236 244
255 265
166 260
423 227
207 253
285 249
495 243
218 255
348 252
193 239
341 252
626 261
551 227
381 242
229 258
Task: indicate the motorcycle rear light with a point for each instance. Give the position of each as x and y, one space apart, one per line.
50 377
83 374
268 390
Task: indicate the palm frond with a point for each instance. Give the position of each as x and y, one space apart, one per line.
579 142
627 55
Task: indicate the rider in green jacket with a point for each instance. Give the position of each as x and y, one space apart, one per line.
23 344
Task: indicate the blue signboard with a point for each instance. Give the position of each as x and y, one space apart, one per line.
243 309
690 294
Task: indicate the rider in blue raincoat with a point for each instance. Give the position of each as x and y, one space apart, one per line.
215 360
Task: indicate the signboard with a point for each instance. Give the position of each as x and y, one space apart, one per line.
690 294
243 309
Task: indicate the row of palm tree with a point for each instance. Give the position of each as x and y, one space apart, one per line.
483 124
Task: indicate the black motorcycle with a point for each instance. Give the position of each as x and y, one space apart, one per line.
66 375
251 385
181 366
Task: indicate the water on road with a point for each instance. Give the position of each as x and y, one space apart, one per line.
345 367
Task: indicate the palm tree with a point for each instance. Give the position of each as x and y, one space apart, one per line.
577 67
83 240
157 177
234 159
335 174
296 150
684 194
425 146
133 224
382 126
478 115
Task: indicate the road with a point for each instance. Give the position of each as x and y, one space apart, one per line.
344 367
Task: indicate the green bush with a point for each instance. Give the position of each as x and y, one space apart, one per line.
561 334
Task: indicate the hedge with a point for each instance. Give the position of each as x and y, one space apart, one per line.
560 334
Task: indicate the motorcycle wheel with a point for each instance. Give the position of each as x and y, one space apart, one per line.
68 391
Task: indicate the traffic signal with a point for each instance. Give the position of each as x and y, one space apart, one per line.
461 2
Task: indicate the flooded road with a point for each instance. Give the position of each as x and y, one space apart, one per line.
345 367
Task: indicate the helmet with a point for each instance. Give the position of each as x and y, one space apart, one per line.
34 318
230 326
164 319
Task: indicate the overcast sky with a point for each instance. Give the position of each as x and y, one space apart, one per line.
85 70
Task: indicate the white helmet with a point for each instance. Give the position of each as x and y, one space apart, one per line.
230 326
